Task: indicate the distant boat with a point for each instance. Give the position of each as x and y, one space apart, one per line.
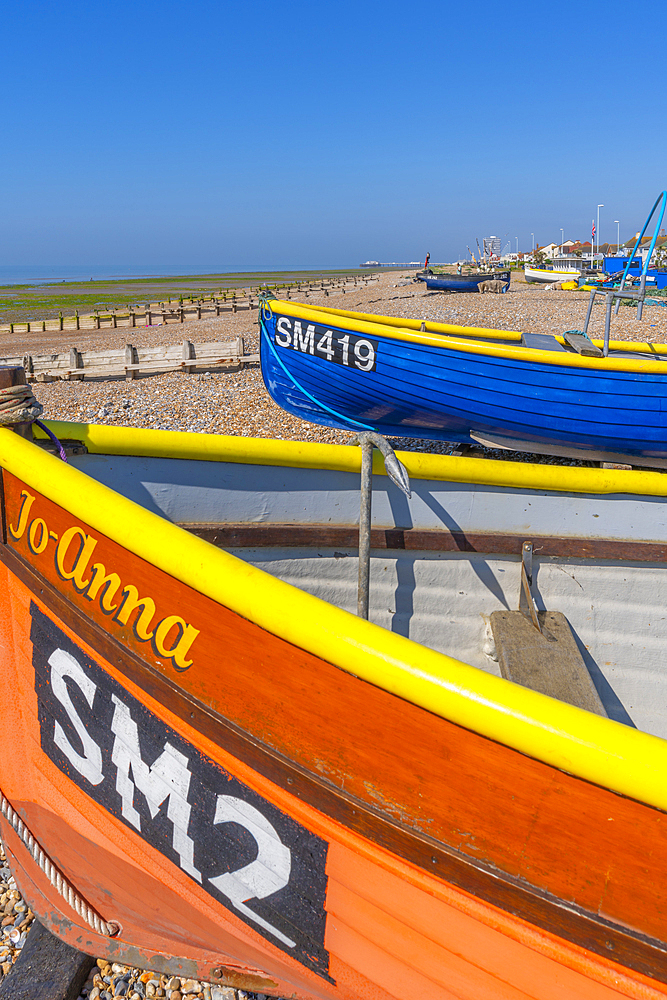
408 378
545 275
462 282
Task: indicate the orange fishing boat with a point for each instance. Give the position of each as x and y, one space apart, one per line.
217 770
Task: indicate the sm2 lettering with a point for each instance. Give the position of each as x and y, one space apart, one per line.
257 861
337 346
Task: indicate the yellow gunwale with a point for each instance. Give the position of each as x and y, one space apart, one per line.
446 335
596 749
104 440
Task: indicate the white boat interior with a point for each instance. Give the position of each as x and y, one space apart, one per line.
443 560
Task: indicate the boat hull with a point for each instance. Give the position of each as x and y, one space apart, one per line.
536 275
155 766
428 389
462 282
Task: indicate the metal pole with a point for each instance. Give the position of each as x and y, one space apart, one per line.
607 323
597 231
590 310
562 240
398 475
365 526
618 237
642 292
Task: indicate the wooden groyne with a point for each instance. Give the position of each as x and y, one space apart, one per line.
185 307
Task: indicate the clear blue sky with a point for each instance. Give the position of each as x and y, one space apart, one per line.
288 134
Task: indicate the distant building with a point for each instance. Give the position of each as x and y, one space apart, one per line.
491 246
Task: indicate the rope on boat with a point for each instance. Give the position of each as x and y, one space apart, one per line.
108 928
51 435
18 405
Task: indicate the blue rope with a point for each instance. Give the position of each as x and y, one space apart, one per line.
61 450
266 308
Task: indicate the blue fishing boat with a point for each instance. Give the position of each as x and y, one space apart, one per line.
415 379
462 282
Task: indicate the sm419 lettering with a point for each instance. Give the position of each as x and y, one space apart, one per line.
322 342
260 863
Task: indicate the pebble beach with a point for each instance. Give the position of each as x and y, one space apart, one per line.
235 402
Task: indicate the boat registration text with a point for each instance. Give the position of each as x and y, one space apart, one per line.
336 346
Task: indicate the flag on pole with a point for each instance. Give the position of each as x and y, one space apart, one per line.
593 231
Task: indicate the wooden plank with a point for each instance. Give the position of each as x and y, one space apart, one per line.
46 969
547 661
253 534
541 342
103 356
582 345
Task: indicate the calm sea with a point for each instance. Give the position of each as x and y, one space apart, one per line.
39 274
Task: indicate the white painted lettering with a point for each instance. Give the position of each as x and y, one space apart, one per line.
168 778
269 872
283 330
324 345
304 342
345 341
90 763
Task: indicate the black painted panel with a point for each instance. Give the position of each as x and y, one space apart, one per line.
261 864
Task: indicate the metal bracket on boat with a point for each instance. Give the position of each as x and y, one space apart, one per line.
526 602
399 476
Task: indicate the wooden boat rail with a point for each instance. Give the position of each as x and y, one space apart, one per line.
256 535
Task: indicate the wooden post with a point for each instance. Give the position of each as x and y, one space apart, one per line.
181 314
76 319
133 317
198 308
28 330
164 315
43 326
188 352
148 315
114 320
60 320
97 319
16 376
75 361
217 307
130 354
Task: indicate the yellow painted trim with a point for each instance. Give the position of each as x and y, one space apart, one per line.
593 748
431 327
378 328
104 440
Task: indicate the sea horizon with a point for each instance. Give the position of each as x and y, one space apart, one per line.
48 274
